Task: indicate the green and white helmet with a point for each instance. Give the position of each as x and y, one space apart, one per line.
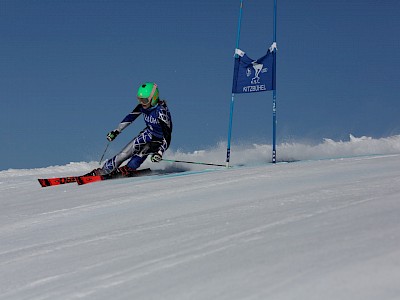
148 93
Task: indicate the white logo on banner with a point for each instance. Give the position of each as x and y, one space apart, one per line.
258 68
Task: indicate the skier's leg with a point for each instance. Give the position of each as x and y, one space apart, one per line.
136 161
134 147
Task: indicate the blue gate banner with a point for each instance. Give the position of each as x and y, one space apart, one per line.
251 75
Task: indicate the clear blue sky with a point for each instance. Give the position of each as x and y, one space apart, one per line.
69 72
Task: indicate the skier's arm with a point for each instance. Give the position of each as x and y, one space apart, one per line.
165 121
129 118
158 147
124 123
167 132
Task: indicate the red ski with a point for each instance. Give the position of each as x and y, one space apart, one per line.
114 175
87 178
56 181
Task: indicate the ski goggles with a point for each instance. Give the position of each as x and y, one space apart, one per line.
144 101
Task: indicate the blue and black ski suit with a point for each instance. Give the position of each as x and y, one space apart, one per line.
156 137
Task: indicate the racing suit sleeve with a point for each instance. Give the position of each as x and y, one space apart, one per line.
164 119
161 145
129 118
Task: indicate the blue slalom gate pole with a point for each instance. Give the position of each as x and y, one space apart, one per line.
228 150
274 95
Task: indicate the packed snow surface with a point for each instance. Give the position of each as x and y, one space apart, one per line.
325 226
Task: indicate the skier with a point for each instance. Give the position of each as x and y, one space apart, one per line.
154 139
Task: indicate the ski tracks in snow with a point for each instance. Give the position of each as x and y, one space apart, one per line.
121 236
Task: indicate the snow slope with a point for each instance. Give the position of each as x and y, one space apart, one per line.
311 229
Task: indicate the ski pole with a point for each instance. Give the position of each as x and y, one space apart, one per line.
192 162
105 150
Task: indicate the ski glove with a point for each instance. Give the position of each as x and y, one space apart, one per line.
112 135
157 157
